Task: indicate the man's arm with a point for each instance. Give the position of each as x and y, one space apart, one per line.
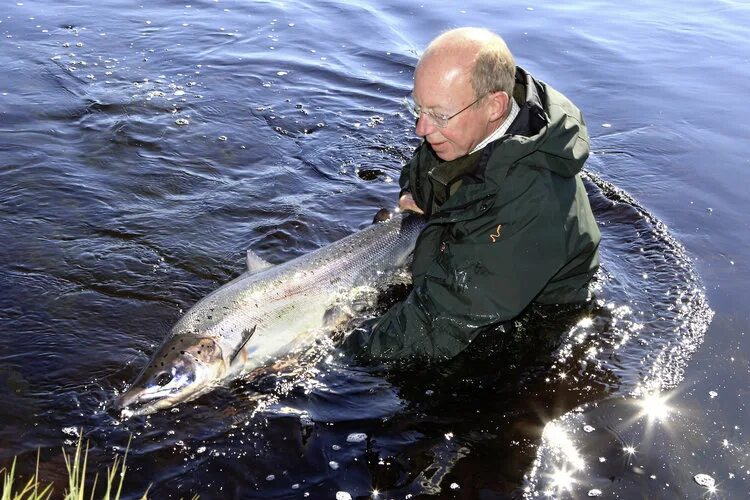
477 282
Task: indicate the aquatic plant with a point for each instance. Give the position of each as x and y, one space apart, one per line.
29 491
76 466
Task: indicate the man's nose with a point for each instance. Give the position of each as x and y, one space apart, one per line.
424 125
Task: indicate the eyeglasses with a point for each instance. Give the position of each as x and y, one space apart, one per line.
440 120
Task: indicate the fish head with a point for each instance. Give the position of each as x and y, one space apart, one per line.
181 370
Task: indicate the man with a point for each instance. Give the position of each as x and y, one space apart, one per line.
497 176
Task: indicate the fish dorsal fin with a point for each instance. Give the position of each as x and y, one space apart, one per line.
255 263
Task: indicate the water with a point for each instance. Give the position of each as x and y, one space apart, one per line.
145 147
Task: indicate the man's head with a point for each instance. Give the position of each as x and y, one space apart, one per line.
457 68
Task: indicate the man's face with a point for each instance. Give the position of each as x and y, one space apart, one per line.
443 86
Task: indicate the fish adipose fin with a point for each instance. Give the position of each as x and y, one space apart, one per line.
246 335
255 263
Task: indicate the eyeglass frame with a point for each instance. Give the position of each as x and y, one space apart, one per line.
440 121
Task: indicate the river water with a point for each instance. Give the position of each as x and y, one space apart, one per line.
146 147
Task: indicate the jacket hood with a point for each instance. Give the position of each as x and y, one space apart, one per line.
549 131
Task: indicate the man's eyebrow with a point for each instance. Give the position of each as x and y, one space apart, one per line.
437 109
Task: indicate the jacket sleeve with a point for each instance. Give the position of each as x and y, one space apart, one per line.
404 180
475 282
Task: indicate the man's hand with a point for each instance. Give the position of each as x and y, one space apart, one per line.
406 202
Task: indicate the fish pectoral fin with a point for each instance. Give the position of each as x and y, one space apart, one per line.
246 335
255 263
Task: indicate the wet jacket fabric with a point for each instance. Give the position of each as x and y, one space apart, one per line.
507 226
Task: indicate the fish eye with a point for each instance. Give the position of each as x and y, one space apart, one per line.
163 379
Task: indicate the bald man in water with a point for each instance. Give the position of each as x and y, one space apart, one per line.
498 177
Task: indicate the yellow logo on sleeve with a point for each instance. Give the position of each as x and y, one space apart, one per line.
495 236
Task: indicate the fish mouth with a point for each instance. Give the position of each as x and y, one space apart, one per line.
137 402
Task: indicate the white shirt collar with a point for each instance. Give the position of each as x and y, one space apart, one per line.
500 131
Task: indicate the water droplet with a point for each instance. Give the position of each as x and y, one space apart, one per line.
333 465
282 73
222 138
704 480
356 437
594 492
588 428
343 495
454 486
713 394
270 477
606 125
181 121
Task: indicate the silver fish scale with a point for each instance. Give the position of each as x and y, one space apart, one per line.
286 301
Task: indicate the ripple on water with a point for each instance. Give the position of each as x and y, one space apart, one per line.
638 340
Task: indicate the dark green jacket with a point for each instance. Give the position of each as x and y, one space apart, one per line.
507 226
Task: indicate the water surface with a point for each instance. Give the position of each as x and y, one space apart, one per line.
146 147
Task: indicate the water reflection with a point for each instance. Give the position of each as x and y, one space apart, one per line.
123 205
655 407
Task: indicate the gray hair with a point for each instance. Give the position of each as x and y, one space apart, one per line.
494 68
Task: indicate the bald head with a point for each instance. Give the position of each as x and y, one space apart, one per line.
462 88
476 55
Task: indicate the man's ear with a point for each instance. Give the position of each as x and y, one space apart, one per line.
499 105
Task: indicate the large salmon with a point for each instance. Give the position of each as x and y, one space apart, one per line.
267 312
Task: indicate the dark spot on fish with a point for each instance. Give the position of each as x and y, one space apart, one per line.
173 348
199 352
209 317
182 352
